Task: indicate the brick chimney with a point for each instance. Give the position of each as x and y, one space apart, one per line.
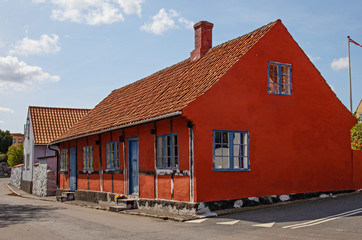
203 39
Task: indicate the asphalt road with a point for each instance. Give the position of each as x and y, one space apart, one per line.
329 218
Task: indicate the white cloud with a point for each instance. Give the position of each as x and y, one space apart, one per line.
17 75
1 121
313 59
340 64
131 6
46 44
187 23
164 21
7 110
93 12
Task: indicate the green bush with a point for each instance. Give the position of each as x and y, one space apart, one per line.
15 155
356 136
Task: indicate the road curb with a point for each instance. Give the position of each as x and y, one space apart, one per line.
13 191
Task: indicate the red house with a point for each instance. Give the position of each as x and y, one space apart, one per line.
247 118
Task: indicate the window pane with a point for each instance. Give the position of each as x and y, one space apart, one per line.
217 137
237 163
225 162
282 67
175 151
236 138
225 150
168 162
159 152
218 162
237 151
225 137
174 139
91 160
174 162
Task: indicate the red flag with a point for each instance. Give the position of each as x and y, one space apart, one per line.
350 40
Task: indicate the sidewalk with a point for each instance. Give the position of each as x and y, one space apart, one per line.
105 206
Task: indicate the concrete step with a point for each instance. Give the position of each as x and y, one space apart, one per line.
127 203
66 196
117 208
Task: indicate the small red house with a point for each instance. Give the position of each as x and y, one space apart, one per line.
249 117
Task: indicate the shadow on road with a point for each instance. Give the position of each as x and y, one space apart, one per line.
16 214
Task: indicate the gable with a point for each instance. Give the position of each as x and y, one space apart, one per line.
167 91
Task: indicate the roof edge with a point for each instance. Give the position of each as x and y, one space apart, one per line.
177 113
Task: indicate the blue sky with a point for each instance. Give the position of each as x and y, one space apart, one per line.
73 53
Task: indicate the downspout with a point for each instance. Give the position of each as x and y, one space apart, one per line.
57 155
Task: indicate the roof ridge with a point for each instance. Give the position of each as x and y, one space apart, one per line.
188 59
65 108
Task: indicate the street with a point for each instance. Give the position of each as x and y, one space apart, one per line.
328 218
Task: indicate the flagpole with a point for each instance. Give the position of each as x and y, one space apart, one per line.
350 81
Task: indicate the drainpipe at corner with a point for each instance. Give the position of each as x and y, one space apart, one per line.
57 155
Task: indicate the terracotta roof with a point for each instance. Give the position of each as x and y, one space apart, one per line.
48 123
166 91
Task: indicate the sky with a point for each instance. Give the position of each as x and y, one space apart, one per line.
73 53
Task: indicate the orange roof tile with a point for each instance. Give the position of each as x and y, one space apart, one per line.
166 91
48 123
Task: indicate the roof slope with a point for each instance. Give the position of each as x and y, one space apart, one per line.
49 123
166 91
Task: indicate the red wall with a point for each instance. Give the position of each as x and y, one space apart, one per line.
91 181
298 143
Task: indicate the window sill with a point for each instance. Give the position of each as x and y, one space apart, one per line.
63 171
280 94
111 169
231 170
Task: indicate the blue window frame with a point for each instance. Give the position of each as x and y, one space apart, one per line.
167 151
64 160
279 78
88 158
112 155
230 150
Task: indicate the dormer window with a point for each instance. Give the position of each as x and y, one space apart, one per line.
279 78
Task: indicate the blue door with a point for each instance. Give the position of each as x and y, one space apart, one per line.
133 166
73 169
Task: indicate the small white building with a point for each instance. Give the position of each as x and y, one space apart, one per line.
43 125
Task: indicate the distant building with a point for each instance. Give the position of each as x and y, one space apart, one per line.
17 138
43 125
359 111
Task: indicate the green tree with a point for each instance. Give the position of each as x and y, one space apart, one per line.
15 155
5 141
3 157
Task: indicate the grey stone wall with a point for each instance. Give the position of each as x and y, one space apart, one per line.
44 179
16 176
40 179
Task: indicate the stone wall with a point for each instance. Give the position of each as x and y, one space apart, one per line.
44 179
16 176
4 169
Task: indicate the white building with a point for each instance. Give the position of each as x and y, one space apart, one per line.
43 125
